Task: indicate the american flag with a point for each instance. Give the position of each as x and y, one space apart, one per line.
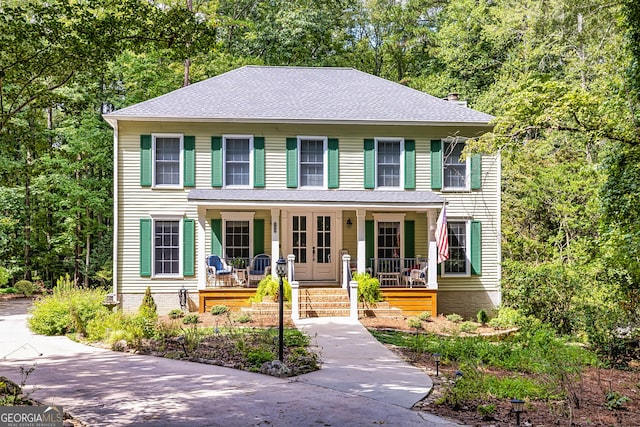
442 237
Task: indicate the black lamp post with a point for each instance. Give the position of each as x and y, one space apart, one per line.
281 270
517 406
436 358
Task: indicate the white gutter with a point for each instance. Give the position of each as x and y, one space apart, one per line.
312 121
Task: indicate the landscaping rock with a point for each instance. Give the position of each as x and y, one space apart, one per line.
275 368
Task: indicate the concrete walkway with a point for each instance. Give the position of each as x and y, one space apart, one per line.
361 383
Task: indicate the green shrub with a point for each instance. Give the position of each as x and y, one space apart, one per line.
368 288
26 287
453 317
269 287
468 327
425 316
148 308
414 322
115 327
191 319
4 276
507 318
219 309
176 313
256 357
243 318
487 411
67 310
482 317
9 290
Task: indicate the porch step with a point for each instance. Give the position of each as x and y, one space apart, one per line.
324 302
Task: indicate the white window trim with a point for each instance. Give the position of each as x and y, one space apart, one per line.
401 180
386 217
237 216
325 158
224 160
467 272
167 217
467 172
180 184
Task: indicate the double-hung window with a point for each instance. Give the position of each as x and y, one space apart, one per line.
167 162
312 161
166 247
459 244
455 170
237 239
388 163
237 160
238 230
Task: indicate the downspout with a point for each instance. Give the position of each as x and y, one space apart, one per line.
116 222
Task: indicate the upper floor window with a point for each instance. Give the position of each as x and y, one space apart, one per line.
455 170
237 161
312 161
388 164
167 150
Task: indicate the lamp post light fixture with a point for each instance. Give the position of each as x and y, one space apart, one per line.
436 358
281 270
182 295
517 406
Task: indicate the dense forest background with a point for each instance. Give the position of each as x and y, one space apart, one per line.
562 78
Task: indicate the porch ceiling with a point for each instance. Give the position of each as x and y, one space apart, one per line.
366 199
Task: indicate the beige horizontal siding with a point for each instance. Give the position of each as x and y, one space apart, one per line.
137 202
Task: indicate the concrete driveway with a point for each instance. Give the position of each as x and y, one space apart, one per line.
104 388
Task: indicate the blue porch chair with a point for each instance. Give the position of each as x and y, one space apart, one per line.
218 272
259 268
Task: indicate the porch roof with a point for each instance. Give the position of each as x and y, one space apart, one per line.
390 200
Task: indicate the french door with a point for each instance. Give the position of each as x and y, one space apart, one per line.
312 244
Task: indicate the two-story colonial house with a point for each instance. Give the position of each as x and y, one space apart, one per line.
311 162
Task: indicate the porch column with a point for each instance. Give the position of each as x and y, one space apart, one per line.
432 271
346 260
275 240
295 300
353 300
201 247
362 245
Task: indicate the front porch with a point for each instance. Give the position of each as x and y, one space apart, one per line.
408 301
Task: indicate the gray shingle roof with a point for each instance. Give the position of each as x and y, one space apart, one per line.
332 198
300 94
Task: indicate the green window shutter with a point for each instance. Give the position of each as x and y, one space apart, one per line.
436 164
369 239
189 161
146 160
216 237
258 161
216 161
292 162
476 247
188 247
258 236
409 164
369 163
145 247
409 239
334 163
476 172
